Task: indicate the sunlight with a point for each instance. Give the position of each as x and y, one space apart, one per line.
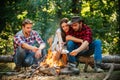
85 8
22 15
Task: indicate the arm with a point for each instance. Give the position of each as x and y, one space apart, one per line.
20 41
86 40
39 40
41 43
83 46
29 47
69 37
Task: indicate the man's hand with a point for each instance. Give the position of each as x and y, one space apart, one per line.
38 54
34 49
74 52
42 46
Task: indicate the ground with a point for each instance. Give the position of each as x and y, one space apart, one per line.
90 75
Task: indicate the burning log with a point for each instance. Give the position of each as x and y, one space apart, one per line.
49 71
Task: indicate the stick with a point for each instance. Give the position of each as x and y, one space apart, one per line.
109 73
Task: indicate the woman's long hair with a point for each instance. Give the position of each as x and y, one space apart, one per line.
64 20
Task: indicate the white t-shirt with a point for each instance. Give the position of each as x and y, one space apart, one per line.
57 39
57 46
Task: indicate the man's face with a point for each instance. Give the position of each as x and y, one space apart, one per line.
75 26
65 27
27 28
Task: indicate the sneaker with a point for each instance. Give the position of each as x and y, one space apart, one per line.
75 70
98 70
72 65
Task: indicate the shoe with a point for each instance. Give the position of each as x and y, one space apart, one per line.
75 70
17 68
66 70
72 65
98 70
97 66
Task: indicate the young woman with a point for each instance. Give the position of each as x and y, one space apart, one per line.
58 46
60 36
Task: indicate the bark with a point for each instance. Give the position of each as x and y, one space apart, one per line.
106 66
6 58
110 72
111 59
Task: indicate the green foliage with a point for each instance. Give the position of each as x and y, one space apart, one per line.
100 15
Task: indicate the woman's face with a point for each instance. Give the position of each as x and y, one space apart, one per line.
65 27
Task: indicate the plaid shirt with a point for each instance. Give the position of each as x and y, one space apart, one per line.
19 38
85 34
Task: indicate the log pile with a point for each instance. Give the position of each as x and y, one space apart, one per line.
6 58
106 61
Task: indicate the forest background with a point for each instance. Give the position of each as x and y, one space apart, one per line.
103 16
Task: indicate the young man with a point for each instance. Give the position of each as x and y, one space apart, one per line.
81 43
26 53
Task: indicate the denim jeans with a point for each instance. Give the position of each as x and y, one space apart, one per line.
26 58
94 48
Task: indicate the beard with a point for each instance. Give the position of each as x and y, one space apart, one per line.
27 34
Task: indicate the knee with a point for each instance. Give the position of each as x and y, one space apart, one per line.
20 50
70 44
29 61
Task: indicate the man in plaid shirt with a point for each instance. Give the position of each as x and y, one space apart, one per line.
26 53
81 43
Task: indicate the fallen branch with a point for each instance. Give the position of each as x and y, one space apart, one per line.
109 73
106 66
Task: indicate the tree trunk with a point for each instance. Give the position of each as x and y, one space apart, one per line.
111 59
2 15
76 7
106 66
6 58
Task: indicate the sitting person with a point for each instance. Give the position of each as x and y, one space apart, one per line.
81 43
26 53
58 47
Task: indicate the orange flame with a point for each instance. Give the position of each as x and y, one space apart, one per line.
53 60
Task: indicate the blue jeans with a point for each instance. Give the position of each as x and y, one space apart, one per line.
25 58
94 48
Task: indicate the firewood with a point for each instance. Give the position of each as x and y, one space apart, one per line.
110 71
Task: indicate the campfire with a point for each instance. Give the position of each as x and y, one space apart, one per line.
54 60
55 63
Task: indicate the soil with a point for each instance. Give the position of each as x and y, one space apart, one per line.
89 75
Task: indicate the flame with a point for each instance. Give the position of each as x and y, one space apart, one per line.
54 60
